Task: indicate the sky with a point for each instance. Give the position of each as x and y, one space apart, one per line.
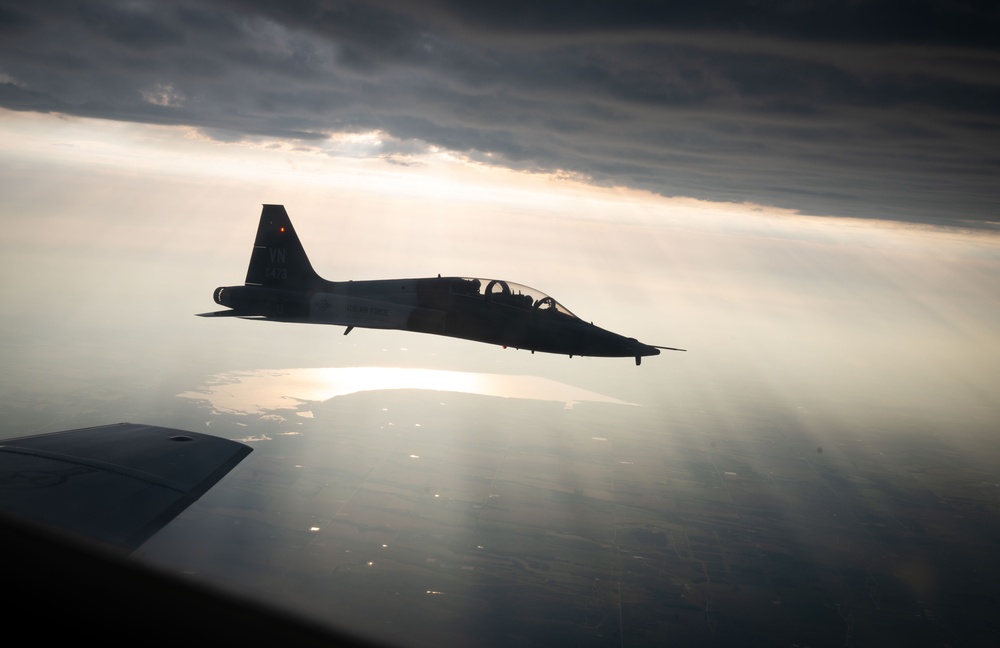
116 234
871 109
802 195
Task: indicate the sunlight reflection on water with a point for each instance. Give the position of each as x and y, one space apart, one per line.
260 391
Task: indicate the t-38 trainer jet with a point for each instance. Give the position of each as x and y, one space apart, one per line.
281 285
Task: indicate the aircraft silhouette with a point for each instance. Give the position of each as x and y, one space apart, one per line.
281 285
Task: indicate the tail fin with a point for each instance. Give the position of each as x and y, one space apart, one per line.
278 259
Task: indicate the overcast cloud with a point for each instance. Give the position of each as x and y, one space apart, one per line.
873 109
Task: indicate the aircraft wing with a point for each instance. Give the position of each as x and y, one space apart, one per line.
114 484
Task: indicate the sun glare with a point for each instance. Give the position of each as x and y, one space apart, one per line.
256 392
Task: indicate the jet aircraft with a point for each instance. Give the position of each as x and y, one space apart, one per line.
281 285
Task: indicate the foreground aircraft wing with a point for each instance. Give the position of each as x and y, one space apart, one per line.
114 484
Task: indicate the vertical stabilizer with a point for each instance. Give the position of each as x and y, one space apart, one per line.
278 260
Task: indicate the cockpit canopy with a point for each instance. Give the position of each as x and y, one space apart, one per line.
510 294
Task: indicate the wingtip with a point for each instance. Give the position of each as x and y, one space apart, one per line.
225 313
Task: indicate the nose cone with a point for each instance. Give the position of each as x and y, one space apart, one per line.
638 349
591 340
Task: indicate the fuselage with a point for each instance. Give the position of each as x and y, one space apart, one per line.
490 311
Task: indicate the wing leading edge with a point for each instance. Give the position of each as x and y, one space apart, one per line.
114 484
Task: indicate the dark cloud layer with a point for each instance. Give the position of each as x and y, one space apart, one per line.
877 109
